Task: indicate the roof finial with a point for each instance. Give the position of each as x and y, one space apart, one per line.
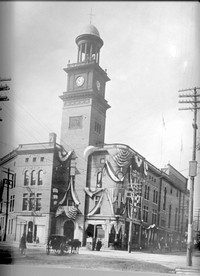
91 14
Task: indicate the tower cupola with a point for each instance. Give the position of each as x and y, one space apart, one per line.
89 44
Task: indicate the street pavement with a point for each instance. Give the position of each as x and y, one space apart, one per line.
174 261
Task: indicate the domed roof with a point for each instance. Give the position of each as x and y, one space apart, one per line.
90 29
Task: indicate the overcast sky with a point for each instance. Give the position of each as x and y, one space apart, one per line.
151 50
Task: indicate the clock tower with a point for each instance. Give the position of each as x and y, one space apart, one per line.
84 104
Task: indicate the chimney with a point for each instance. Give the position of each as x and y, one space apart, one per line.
52 137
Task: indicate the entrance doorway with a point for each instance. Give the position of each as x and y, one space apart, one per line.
30 232
69 229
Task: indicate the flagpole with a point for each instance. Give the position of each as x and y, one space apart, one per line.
162 134
181 149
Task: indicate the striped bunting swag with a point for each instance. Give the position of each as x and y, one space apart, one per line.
70 211
123 157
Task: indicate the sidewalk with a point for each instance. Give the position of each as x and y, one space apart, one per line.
170 260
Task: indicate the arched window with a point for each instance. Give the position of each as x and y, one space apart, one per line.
33 178
40 177
26 178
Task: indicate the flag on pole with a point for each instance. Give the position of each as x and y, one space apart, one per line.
181 144
163 122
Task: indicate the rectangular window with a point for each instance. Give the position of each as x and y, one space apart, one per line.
97 198
12 203
34 159
25 202
148 192
97 128
38 202
155 196
14 180
154 216
32 202
176 216
76 122
26 160
145 213
41 159
70 202
2 222
162 222
164 199
169 220
145 192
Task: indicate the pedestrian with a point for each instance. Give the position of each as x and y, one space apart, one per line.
93 244
22 244
99 245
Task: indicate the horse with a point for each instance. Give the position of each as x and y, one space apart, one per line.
75 244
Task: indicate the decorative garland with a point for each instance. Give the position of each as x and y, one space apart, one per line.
93 211
64 156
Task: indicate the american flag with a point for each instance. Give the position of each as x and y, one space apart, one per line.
70 211
123 157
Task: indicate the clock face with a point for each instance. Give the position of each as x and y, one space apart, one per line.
80 81
98 85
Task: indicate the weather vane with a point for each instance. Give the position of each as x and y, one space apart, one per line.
91 14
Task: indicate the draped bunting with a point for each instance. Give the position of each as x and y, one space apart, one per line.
65 196
64 156
111 173
93 211
117 196
91 193
122 157
70 211
117 226
73 194
88 151
110 201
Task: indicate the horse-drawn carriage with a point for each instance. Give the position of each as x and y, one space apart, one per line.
60 245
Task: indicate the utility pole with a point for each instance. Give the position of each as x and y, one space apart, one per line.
9 182
193 100
131 215
4 87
